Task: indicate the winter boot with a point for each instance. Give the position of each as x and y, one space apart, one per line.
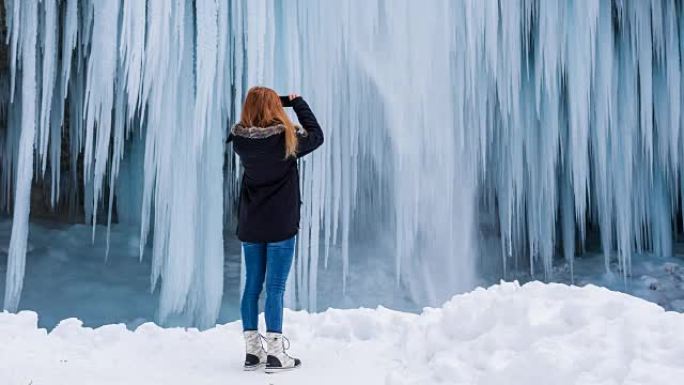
256 355
277 360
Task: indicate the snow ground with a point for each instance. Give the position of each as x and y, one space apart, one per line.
506 334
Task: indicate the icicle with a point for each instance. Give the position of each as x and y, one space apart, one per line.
132 51
674 79
579 66
623 154
69 40
55 133
99 98
644 52
14 34
603 118
542 163
49 35
16 258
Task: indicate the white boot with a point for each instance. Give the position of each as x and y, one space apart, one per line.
277 360
256 355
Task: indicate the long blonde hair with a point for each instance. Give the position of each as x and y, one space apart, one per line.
263 108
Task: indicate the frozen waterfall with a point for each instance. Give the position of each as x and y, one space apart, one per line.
550 119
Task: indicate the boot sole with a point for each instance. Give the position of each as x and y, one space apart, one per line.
277 370
252 368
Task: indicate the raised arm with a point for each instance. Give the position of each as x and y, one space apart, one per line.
312 138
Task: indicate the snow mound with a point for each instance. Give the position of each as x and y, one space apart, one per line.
506 334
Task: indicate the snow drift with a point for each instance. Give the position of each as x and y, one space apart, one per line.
504 334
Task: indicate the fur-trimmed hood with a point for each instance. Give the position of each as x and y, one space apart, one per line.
255 132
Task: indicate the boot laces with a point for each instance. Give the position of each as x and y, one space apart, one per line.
283 340
262 338
285 348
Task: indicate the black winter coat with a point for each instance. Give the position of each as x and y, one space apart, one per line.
269 191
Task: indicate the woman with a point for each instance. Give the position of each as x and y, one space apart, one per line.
268 216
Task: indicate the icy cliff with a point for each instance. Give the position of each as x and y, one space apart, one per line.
552 117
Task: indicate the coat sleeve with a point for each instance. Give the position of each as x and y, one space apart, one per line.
312 137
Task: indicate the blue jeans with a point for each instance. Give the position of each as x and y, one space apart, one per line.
270 261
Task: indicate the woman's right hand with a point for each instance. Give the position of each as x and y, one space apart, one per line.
293 96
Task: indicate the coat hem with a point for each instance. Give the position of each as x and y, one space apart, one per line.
268 240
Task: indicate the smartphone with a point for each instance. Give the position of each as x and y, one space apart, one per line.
285 101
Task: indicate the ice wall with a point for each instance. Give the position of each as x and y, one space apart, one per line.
554 117
126 69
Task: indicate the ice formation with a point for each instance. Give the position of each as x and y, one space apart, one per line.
553 117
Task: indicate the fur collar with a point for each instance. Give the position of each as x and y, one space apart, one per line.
262 132
257 132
